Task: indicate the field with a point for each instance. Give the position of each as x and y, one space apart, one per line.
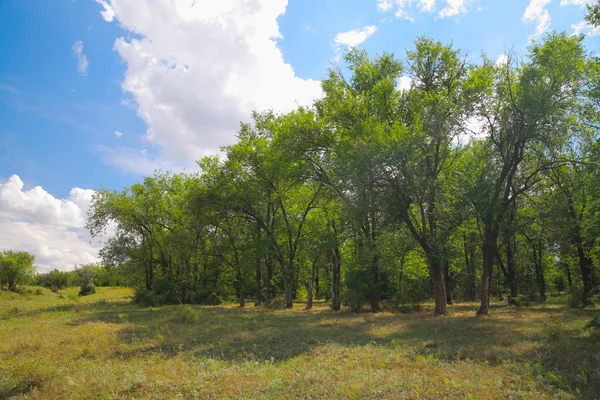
102 347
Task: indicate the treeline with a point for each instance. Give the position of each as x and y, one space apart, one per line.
479 180
85 275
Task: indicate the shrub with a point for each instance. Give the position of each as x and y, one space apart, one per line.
87 275
277 303
38 292
186 315
147 298
553 330
87 289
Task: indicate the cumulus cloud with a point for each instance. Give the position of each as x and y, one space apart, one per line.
580 3
118 134
108 13
196 69
50 228
82 61
451 8
354 37
502 60
538 14
405 82
585 28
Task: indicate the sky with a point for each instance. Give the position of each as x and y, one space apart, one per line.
99 93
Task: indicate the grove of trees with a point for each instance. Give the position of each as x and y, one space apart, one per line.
477 181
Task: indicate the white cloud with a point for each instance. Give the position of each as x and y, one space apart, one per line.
118 134
453 7
426 5
538 14
580 3
384 5
405 82
501 60
196 69
354 37
108 14
82 61
586 28
52 229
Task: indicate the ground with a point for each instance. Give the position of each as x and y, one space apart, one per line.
56 345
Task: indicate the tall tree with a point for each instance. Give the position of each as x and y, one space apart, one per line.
529 111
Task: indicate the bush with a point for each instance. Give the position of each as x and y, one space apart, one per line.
38 292
87 289
277 303
87 275
147 298
553 330
186 315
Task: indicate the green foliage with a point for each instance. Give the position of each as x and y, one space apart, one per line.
15 268
593 326
186 314
87 277
381 196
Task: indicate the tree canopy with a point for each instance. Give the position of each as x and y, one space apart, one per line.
477 180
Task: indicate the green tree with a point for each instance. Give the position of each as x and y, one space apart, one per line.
529 112
15 268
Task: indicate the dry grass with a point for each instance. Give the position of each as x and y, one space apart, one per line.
104 347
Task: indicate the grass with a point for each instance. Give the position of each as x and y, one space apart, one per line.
103 347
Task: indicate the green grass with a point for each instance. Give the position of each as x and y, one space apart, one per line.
101 346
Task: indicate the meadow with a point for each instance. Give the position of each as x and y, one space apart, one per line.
57 345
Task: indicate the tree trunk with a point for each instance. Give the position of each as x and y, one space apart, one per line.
289 286
585 267
309 294
375 306
268 280
336 301
470 268
309 286
242 294
258 283
447 282
567 269
439 288
539 268
511 270
488 250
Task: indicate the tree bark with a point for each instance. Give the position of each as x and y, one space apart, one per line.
439 288
336 300
470 268
447 282
488 250
375 305
258 283
585 267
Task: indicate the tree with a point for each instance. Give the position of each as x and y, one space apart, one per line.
15 268
421 165
526 115
87 275
593 15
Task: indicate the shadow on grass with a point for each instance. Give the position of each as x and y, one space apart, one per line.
528 339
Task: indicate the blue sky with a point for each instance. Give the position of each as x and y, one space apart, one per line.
97 93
